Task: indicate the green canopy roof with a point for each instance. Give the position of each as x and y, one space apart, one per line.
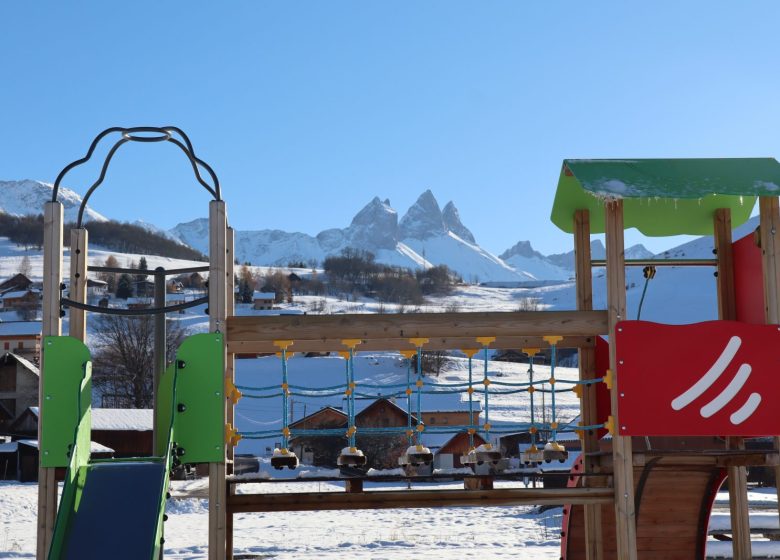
664 196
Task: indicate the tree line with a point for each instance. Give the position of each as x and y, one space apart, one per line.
27 231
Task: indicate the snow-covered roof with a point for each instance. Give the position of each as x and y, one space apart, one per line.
25 362
264 295
15 294
121 419
135 300
10 447
20 328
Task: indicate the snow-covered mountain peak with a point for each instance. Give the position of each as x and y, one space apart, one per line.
374 227
521 249
638 251
423 219
27 197
451 218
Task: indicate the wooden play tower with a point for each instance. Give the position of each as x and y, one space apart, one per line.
645 492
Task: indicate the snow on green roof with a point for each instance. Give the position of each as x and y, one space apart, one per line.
664 196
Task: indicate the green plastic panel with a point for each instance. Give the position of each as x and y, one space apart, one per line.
199 386
66 363
664 196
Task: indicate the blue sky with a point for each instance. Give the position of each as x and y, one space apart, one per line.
308 109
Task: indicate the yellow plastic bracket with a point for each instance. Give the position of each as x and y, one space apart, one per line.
487 426
418 342
283 344
351 342
552 381
610 425
580 433
553 425
470 352
408 391
552 339
486 382
344 354
286 432
609 379
486 340
531 351
408 354
577 390
232 437
533 429
531 389
419 383
352 385
420 427
472 431
470 390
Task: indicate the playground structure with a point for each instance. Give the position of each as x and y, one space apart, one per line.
629 497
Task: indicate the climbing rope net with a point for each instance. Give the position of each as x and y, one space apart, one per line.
414 390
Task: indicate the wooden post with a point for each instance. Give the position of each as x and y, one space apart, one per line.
625 522
217 316
52 326
727 310
769 211
77 318
594 541
230 374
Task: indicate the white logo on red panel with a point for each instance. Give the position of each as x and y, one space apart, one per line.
728 394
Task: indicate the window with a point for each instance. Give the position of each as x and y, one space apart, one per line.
20 346
7 345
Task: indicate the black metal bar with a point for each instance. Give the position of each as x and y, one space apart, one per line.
660 262
160 349
164 272
133 312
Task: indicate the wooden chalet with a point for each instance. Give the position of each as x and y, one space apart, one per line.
319 451
19 379
19 300
19 459
15 283
382 450
449 454
22 338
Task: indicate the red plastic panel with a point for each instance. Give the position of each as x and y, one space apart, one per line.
603 400
719 378
748 281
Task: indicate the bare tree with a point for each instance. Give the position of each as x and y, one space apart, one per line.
124 360
25 267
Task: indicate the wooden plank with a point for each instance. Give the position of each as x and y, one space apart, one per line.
318 501
769 212
411 325
625 515
217 316
77 318
594 540
386 344
230 363
51 326
727 310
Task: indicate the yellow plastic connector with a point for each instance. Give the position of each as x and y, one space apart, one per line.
285 386
351 430
231 392
552 339
344 354
472 431
487 426
531 389
580 434
577 390
553 425
486 340
470 352
470 390
283 344
284 451
353 449
286 432
419 448
409 433
420 427
352 385
408 392
533 449
348 392
418 342
232 437
486 382
609 379
419 383
531 351
610 425
351 342
552 381
533 429
408 354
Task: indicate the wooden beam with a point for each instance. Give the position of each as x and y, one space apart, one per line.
769 212
700 458
727 310
319 501
625 526
387 344
594 539
77 318
217 315
230 363
410 325
51 326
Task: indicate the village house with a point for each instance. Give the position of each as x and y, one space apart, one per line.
19 300
17 282
19 460
22 338
263 300
319 451
18 388
96 289
174 286
448 455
